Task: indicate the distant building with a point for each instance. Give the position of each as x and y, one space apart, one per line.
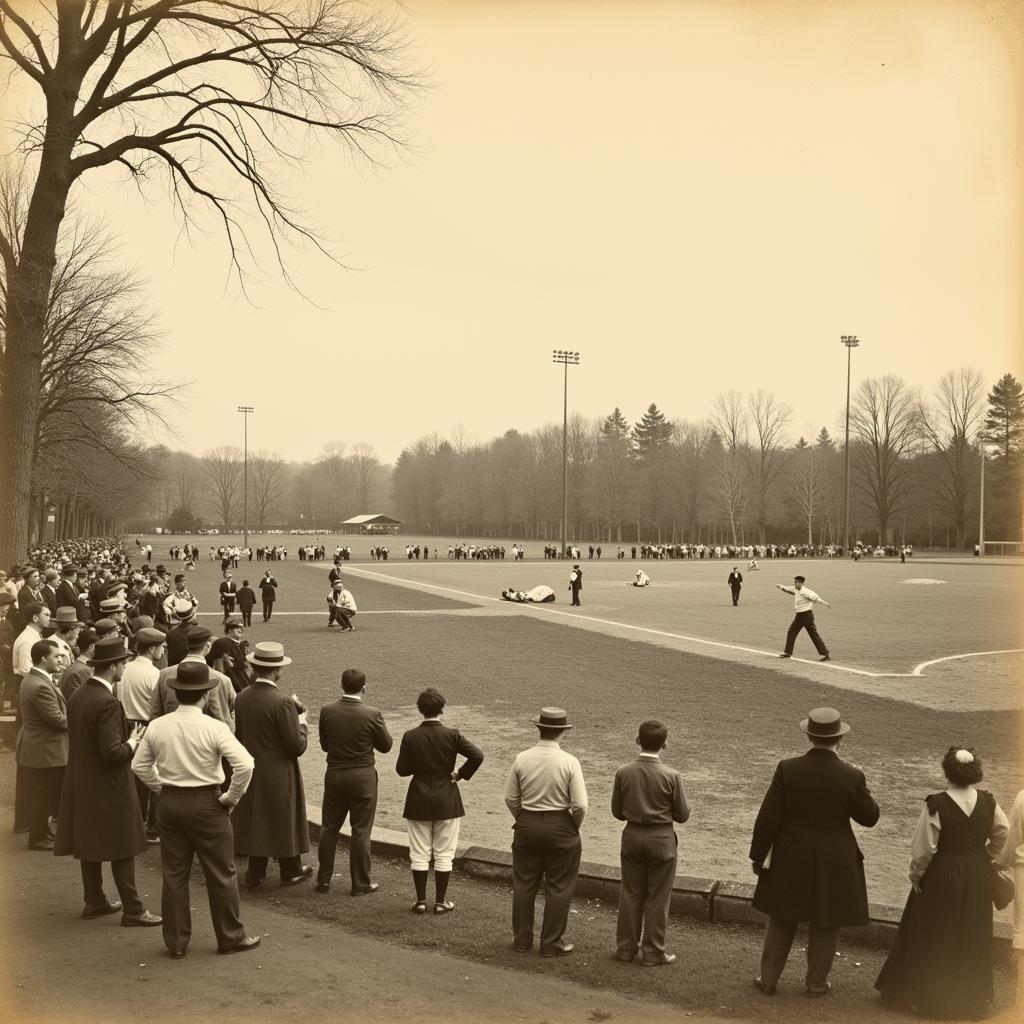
376 524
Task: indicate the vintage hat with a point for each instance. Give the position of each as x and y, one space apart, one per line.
6 598
192 675
66 616
114 586
197 634
69 570
799 579
51 574
86 638
824 724
161 569
232 623
80 571
179 577
339 582
269 655
104 626
110 650
182 610
147 636
552 718
111 604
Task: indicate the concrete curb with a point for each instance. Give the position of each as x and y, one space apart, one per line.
704 899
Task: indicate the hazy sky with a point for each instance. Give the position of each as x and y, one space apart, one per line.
696 196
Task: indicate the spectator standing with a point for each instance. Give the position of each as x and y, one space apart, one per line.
648 796
350 731
433 803
546 795
268 592
804 853
246 602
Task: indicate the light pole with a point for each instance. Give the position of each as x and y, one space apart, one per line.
981 508
851 342
567 359
245 410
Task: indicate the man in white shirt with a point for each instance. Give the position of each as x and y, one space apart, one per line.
37 618
547 797
804 600
343 606
135 691
179 758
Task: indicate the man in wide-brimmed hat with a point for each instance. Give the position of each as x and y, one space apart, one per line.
180 758
67 624
271 818
547 797
100 818
805 856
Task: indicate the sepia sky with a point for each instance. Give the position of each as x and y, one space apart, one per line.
696 196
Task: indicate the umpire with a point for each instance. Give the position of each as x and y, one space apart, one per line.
180 759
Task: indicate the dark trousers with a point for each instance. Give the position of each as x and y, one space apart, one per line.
648 857
268 610
246 616
821 951
545 845
147 798
229 610
575 596
124 879
43 787
348 792
22 799
735 595
193 824
342 616
805 620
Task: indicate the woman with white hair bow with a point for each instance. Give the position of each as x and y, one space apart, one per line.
941 964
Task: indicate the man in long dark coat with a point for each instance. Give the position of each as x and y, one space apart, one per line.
100 819
805 855
270 820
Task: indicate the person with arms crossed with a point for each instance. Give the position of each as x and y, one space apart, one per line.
648 796
546 795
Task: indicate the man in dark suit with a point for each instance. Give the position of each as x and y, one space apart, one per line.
350 731
49 591
270 820
648 796
433 804
68 595
576 584
246 601
31 592
99 817
805 855
735 584
268 591
228 595
42 745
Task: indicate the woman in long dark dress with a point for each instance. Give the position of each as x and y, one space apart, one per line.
941 964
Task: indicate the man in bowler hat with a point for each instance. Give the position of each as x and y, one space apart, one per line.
804 853
576 584
547 797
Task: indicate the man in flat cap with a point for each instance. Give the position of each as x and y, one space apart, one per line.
547 797
99 807
181 759
804 853
220 700
49 591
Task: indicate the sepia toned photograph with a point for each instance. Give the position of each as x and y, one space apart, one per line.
642 381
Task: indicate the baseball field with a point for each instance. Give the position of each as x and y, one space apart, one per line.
925 655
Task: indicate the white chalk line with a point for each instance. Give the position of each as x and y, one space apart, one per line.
917 671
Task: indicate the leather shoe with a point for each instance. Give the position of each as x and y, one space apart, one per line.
522 949
323 886
143 920
43 844
670 958
307 871
626 958
177 954
768 990
817 993
785 655
100 911
372 887
249 942
558 950
252 883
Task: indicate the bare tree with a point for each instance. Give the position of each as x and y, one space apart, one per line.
767 455
885 420
210 93
267 474
950 422
808 485
730 463
366 466
222 469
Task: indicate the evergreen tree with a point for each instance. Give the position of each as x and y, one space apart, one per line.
1004 421
801 443
615 427
652 434
824 439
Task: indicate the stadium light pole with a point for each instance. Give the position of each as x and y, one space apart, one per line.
851 342
567 359
981 506
245 410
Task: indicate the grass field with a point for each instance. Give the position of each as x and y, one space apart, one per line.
678 651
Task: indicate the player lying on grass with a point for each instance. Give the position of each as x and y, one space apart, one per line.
539 595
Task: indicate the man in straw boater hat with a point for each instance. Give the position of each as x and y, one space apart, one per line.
804 853
99 817
271 818
180 758
548 799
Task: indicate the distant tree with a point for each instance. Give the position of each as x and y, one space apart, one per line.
652 434
1004 418
182 520
613 484
730 467
266 484
366 468
767 455
222 479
